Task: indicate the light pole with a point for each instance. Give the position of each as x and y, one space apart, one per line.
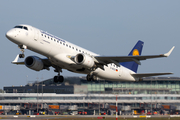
37 93
116 108
42 92
37 97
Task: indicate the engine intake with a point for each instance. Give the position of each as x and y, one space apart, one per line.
34 63
84 60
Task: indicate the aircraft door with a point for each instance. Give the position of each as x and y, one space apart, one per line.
120 71
36 34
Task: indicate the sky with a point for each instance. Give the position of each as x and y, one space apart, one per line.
106 27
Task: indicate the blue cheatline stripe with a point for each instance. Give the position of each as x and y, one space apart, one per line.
135 51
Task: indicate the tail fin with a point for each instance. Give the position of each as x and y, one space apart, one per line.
134 52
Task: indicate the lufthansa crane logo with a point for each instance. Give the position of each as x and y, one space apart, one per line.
135 52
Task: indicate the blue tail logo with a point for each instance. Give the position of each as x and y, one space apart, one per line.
136 51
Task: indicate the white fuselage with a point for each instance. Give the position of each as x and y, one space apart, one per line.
58 51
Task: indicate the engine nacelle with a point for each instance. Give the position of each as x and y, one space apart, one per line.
34 63
84 60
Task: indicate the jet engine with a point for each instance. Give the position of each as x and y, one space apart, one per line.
34 63
84 60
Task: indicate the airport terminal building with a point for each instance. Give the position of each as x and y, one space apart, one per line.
160 94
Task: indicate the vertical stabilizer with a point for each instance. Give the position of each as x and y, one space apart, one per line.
136 51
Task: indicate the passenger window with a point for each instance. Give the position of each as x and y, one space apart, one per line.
76 49
60 42
57 41
42 34
72 47
63 43
67 45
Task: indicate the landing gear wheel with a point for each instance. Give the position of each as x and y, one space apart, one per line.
88 77
22 47
21 55
94 78
59 79
56 79
91 77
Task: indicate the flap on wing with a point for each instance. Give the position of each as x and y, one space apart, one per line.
140 75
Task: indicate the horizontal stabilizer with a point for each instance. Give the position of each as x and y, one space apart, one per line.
140 75
16 61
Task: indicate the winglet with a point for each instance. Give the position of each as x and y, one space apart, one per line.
168 53
16 60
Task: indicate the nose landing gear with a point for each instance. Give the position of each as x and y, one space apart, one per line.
22 47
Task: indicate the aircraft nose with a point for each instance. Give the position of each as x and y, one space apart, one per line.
9 34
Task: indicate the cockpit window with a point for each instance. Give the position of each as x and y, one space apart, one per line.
25 28
21 27
18 27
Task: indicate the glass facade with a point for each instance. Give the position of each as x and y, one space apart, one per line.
157 85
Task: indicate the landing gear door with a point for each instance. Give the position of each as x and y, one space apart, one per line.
36 34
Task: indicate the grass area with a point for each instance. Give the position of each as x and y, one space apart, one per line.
115 119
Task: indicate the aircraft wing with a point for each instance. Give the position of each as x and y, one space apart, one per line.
140 75
46 61
16 61
117 59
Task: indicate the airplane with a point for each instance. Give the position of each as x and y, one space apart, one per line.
61 54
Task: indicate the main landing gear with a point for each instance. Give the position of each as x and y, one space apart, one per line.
58 78
91 77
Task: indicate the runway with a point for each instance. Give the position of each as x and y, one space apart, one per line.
47 117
